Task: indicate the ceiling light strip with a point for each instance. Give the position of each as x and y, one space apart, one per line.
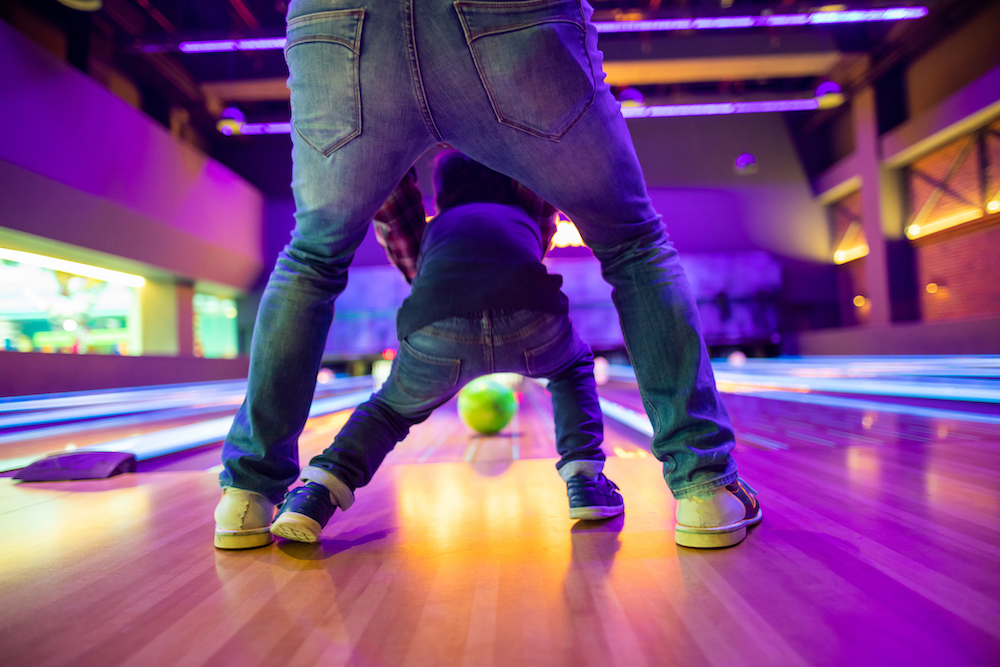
656 111
74 268
720 109
652 25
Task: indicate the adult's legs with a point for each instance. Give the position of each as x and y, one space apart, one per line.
348 151
569 143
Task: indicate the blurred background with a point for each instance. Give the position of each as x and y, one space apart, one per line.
829 173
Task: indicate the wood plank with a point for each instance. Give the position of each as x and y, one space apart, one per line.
868 554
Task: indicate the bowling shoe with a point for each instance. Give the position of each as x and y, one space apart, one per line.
719 518
243 520
304 512
593 498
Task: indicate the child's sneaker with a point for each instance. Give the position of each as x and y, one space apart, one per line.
304 512
593 499
243 520
717 519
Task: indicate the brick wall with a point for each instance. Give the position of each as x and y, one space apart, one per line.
964 263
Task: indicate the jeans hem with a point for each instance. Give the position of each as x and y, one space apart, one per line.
703 487
342 495
592 468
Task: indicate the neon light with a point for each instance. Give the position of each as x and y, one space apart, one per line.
828 88
224 45
993 206
859 301
266 128
261 44
653 25
868 15
916 231
656 111
214 46
719 109
77 269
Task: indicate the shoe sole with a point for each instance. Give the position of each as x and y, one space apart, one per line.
717 537
596 512
296 527
243 539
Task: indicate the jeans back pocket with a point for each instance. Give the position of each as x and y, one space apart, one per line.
533 61
323 51
424 376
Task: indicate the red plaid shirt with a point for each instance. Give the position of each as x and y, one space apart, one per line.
399 224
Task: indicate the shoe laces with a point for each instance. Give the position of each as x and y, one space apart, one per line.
608 482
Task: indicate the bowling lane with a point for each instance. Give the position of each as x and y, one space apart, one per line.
880 537
530 435
149 422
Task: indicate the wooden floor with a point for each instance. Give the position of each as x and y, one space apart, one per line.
880 545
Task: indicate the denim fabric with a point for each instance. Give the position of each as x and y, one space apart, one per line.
436 361
519 87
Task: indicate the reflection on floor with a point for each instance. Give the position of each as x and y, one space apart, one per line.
879 544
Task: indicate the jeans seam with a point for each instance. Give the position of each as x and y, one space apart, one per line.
418 82
488 341
654 417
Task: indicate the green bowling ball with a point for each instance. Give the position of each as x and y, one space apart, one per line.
486 406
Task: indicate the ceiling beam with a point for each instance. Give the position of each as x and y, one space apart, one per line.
619 73
692 70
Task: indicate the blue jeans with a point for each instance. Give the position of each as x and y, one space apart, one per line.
436 361
517 86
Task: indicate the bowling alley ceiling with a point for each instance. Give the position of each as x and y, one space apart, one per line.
137 48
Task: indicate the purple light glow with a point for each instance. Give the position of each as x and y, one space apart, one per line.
266 128
631 96
263 44
222 45
827 88
214 46
745 160
656 111
653 25
719 109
